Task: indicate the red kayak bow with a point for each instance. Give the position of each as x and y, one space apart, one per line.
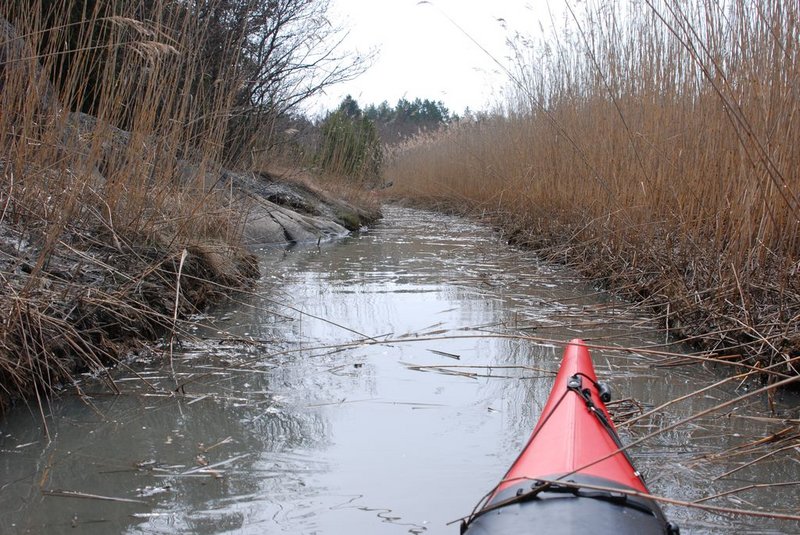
573 475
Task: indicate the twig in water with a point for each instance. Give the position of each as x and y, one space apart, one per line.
445 354
77 494
746 488
209 469
696 392
749 447
226 440
758 459
184 254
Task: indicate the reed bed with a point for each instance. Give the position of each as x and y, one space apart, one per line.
104 234
653 145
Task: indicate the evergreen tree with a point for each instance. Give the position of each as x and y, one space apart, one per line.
350 145
408 118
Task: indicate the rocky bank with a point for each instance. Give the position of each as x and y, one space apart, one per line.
82 299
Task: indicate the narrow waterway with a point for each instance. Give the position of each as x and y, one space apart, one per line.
285 421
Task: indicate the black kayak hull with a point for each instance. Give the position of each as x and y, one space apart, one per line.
570 507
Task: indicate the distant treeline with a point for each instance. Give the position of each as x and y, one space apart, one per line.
397 123
408 118
350 140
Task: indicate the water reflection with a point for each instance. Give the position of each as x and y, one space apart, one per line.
274 430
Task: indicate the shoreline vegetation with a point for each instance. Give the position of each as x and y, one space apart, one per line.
120 123
653 146
146 144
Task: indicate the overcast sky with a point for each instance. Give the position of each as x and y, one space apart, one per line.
423 54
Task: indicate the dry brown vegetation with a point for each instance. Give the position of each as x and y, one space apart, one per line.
654 145
105 234
117 222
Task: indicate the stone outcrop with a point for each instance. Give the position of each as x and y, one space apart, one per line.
286 212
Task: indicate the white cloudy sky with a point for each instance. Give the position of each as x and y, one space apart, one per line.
423 54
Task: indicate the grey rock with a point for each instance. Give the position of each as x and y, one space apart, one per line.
278 213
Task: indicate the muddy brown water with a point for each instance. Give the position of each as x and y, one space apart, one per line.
277 431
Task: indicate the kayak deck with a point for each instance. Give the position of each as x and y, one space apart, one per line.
573 475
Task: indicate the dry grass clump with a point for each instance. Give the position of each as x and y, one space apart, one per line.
653 145
101 228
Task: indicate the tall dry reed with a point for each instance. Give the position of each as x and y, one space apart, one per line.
94 219
655 145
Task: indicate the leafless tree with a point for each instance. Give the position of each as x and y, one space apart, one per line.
289 51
